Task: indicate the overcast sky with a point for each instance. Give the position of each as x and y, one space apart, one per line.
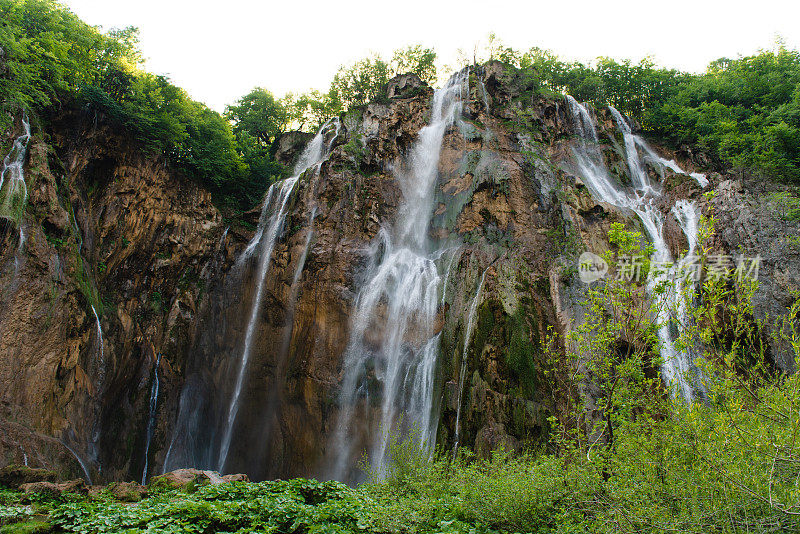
220 50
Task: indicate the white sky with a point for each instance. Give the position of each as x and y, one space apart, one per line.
220 50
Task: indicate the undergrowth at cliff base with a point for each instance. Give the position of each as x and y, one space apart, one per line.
730 466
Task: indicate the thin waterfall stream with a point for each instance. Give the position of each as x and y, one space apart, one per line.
293 290
151 420
473 308
270 224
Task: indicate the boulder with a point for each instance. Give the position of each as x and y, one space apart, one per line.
127 491
405 86
13 476
183 477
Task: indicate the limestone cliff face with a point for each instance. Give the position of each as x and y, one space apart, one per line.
110 228
109 231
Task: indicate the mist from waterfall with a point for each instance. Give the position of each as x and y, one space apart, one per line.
677 367
390 360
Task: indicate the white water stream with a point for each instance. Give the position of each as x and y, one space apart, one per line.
273 216
677 368
12 176
393 347
473 308
151 421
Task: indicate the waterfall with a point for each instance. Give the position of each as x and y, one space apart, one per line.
270 224
80 462
484 94
670 164
473 308
677 367
590 159
13 173
100 366
293 290
393 348
687 215
151 422
456 252
582 121
100 355
18 257
634 142
638 175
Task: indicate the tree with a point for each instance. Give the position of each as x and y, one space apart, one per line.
417 60
260 115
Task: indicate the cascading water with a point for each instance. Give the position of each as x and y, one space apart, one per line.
393 348
270 432
456 252
484 94
80 462
293 289
473 308
273 216
151 421
590 159
677 367
12 176
638 175
100 365
19 258
100 354
206 433
670 164
632 145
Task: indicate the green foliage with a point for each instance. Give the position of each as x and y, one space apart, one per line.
49 54
53 60
260 116
786 205
417 60
364 81
281 506
27 527
632 459
745 112
360 83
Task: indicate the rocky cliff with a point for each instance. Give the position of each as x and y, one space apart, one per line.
111 232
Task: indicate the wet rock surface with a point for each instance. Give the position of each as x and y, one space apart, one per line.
107 227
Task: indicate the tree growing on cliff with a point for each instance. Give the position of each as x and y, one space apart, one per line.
363 82
613 353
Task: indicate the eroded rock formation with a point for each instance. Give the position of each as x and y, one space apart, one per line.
111 229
